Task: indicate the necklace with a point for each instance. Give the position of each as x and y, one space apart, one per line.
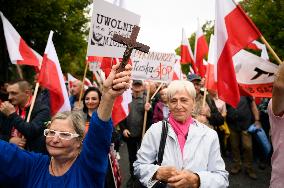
51 167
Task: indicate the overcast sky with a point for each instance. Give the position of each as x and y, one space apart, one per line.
162 21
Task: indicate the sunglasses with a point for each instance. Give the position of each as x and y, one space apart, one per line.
62 135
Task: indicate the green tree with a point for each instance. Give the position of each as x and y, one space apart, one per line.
268 16
34 19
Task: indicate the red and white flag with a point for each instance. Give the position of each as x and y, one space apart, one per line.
234 31
255 75
186 52
121 107
177 74
200 52
51 77
210 82
19 52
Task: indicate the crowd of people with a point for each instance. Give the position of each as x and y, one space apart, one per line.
189 132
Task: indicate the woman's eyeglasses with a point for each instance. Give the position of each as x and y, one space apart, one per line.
60 134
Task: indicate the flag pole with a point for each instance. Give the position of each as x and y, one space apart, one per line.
33 101
261 37
34 96
20 72
204 97
157 90
82 87
278 60
145 112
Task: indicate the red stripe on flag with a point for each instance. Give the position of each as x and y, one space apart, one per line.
118 112
29 58
210 83
253 46
240 32
201 52
49 79
186 57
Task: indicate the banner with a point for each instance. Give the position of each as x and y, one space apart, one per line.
107 20
153 66
254 74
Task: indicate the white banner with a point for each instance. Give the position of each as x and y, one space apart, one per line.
107 20
251 69
153 66
254 74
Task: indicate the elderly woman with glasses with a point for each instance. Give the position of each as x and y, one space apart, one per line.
191 155
71 163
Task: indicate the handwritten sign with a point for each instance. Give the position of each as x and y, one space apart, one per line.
107 20
153 66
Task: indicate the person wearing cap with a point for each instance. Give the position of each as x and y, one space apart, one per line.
199 112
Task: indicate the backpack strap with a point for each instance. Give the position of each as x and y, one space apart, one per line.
164 135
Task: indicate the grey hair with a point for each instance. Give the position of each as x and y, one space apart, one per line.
179 86
75 118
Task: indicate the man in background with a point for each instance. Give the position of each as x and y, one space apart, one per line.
75 94
132 126
14 127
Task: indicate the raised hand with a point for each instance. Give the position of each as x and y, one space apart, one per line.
117 82
113 86
7 108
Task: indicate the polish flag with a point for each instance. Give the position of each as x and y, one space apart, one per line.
51 77
121 107
234 31
19 52
200 52
185 52
177 75
210 82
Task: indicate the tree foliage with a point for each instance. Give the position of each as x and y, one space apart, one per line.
34 19
268 16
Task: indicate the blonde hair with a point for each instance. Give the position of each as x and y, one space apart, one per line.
76 120
179 86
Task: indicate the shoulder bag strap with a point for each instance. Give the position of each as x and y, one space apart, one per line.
164 135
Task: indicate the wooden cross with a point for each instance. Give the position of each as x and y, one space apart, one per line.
130 44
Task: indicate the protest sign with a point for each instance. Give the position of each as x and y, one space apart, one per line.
107 20
153 66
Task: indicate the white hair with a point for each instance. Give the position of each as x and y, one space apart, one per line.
180 86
